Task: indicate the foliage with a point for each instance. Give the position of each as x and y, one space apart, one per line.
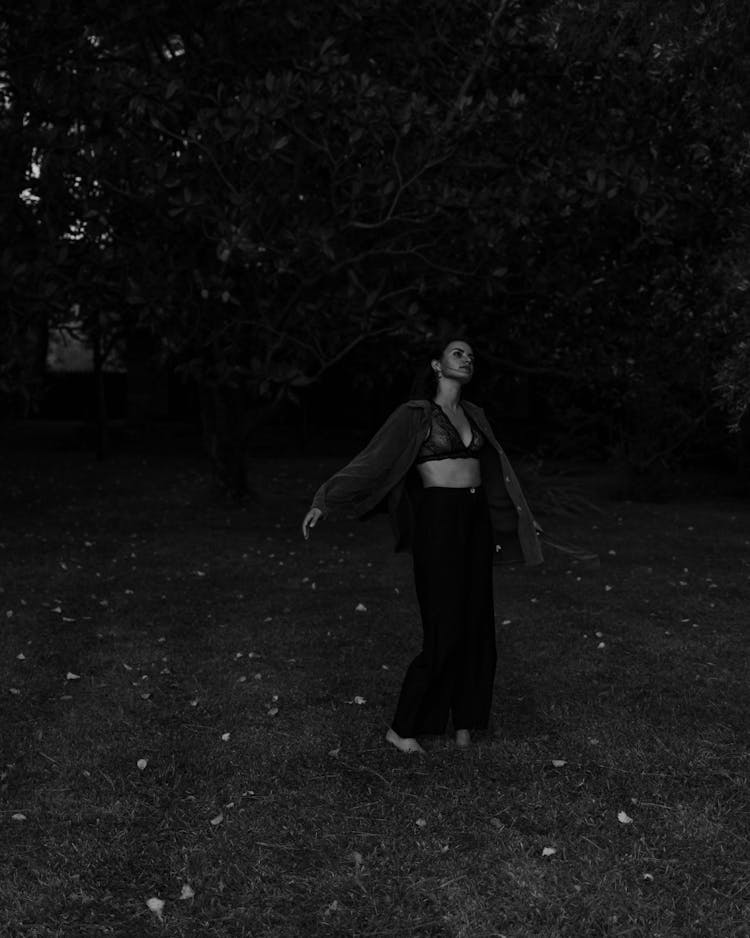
733 373
269 187
636 178
734 383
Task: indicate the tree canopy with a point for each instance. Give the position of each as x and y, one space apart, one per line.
267 186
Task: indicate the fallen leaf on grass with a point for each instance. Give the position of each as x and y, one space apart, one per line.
142 763
187 892
72 677
359 701
215 821
559 763
549 852
273 711
623 818
420 822
225 736
15 691
360 607
18 817
156 906
21 657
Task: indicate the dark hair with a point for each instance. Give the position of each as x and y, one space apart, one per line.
425 384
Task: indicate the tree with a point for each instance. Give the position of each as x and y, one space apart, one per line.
733 371
627 214
57 263
256 296
267 187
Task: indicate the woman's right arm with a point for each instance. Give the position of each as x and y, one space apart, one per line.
362 478
311 519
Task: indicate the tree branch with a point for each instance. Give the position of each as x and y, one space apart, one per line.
643 464
349 347
403 186
510 365
478 63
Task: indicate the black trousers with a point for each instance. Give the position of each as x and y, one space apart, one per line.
455 671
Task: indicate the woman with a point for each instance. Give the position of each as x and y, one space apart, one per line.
455 500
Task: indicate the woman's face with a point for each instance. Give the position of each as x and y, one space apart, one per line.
456 362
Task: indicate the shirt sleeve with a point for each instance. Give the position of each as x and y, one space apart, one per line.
516 529
368 477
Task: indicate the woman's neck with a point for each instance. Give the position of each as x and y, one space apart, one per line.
448 395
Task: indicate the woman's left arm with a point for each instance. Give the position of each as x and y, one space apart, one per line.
508 505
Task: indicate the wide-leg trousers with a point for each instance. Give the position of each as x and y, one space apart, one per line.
455 672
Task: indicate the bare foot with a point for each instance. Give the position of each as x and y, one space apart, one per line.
404 743
463 739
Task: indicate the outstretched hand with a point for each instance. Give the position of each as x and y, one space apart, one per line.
311 519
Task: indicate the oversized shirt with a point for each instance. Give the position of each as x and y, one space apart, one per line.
382 470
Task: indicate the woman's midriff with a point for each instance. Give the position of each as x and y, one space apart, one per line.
450 473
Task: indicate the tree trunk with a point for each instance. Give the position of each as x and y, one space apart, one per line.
100 397
229 416
148 386
225 438
743 450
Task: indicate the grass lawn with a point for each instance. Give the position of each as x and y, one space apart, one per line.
142 620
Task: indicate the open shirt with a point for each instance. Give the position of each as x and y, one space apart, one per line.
383 471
